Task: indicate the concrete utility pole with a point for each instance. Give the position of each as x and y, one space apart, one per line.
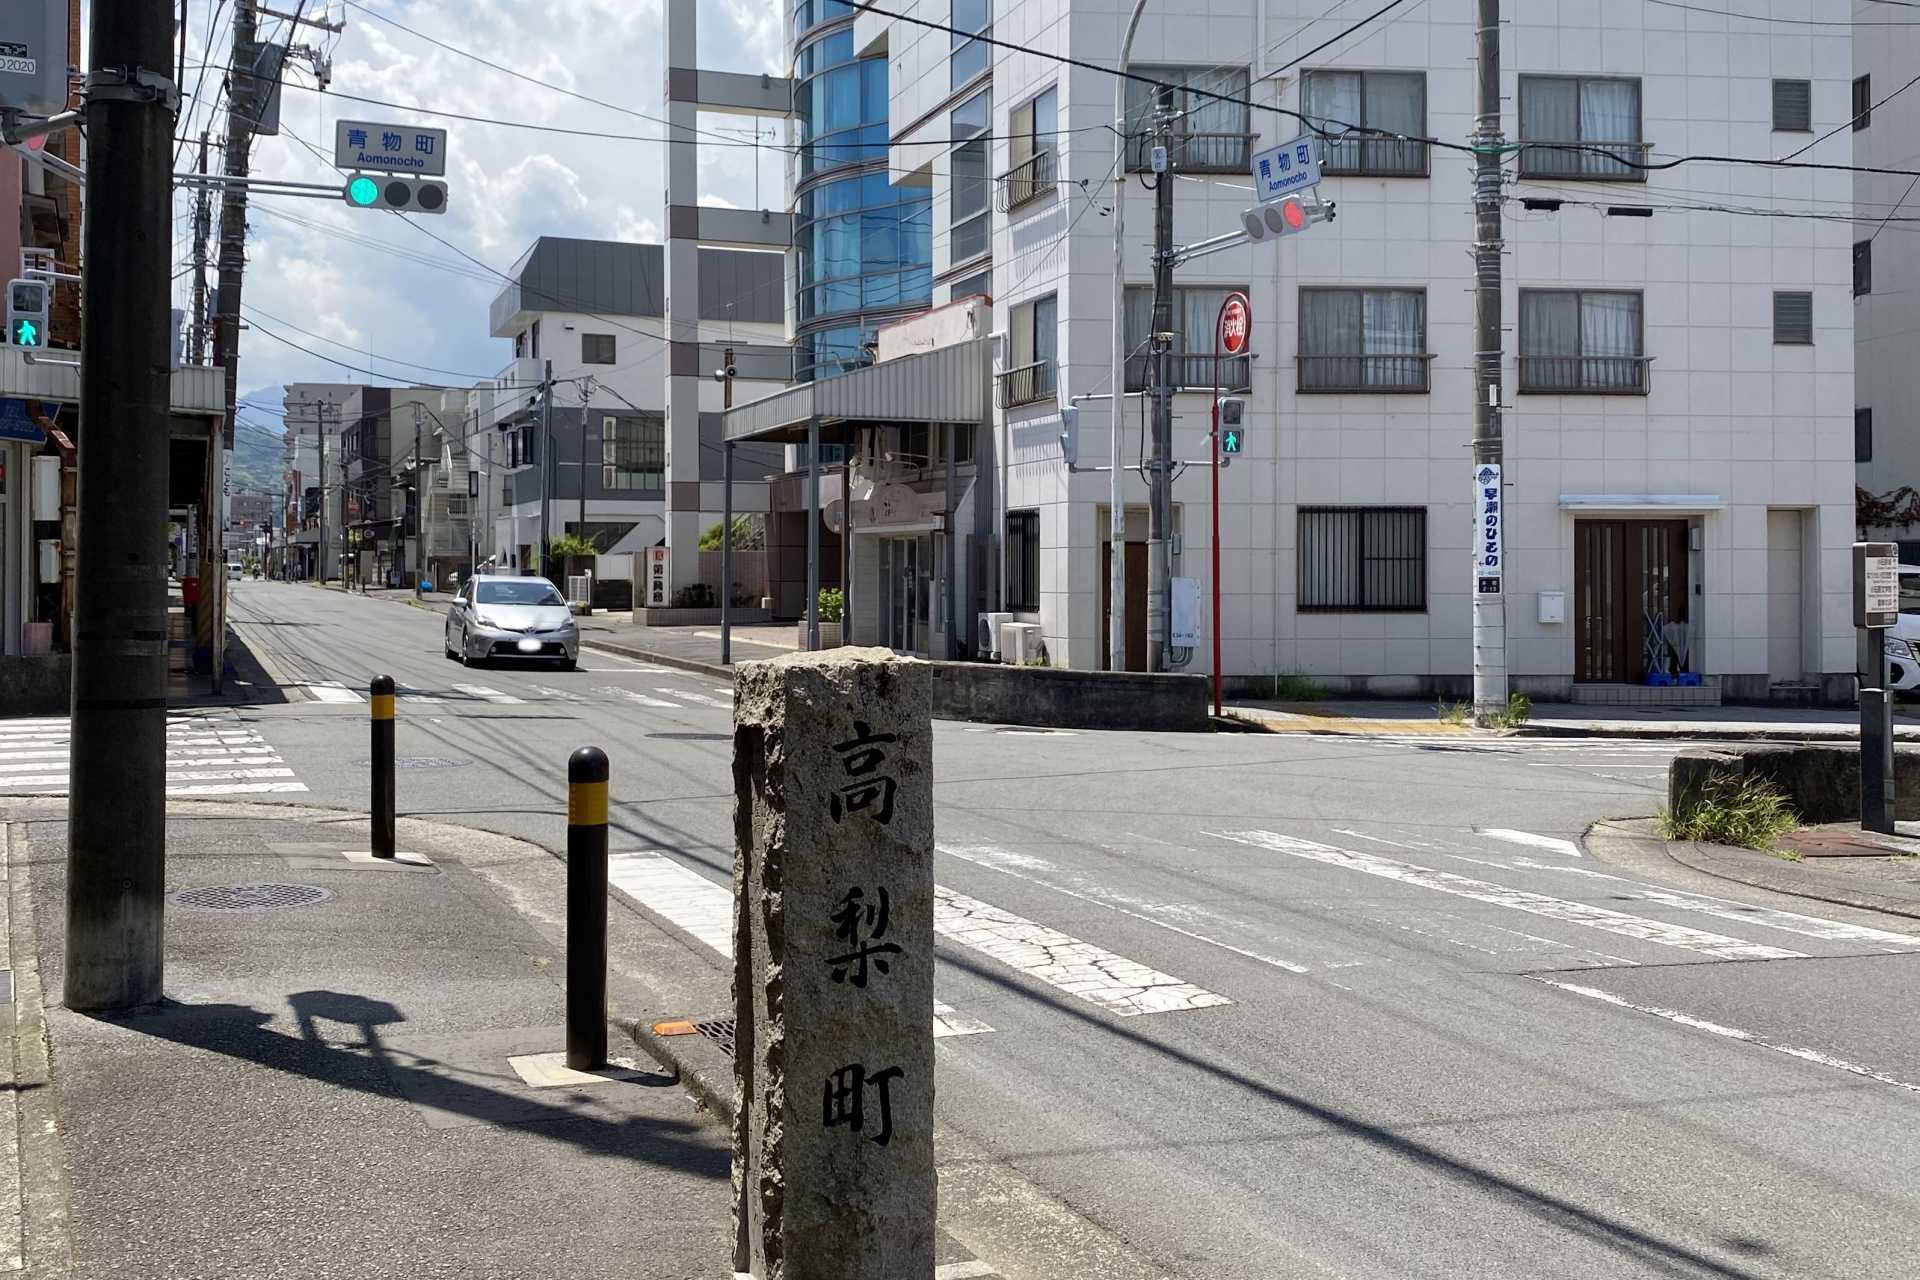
320 422
1489 606
546 470
1116 481
1159 514
116 834
202 224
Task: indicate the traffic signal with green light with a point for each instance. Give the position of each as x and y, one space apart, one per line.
395 194
27 313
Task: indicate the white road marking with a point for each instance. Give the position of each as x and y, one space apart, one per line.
704 909
238 788
1671 935
202 758
489 695
1120 986
1553 843
723 702
972 1270
643 699
1730 1033
1006 861
332 691
1589 764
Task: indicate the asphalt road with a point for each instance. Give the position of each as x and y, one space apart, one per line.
1319 1007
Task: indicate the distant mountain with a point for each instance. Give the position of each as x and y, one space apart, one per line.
258 462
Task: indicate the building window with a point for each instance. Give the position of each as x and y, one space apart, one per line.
970 18
633 454
1793 319
533 340
1034 334
522 442
1196 312
1212 130
1862 268
1363 340
1035 124
1863 435
970 206
520 345
1347 105
1585 128
1582 342
1363 560
1023 561
596 348
1793 106
977 285
1862 102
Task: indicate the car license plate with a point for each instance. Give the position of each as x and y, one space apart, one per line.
529 646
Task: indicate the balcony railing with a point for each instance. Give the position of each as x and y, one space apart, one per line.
1026 384
1027 181
1584 161
1196 153
1584 375
1375 157
1193 371
1402 374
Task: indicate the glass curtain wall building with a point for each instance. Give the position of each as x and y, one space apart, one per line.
864 246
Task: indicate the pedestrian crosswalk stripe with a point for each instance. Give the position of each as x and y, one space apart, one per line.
1553 843
1617 922
331 691
1120 986
704 909
723 701
485 694
558 695
202 758
643 699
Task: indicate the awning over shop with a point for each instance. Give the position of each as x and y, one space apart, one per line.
948 384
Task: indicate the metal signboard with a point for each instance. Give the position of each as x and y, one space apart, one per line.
1876 584
392 148
1186 612
1488 541
1283 170
16 423
33 56
1236 323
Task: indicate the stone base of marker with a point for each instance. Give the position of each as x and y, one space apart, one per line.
833 945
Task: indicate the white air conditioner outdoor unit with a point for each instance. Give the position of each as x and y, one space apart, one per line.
1019 642
988 638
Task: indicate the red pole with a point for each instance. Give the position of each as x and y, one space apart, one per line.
1215 437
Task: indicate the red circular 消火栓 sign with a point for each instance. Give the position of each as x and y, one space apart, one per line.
1236 324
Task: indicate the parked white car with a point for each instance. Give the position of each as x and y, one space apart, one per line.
1903 637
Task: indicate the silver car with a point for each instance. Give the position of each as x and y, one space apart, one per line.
516 618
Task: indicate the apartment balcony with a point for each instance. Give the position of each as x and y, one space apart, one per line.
1026 384
1404 374
1196 153
1375 158
1027 181
1584 375
1584 161
1193 371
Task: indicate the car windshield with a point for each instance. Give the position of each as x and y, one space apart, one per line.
532 591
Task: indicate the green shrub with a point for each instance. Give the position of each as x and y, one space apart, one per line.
1519 711
1296 686
1746 811
1452 712
697 596
566 545
833 604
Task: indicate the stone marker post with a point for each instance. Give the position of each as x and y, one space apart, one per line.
833 968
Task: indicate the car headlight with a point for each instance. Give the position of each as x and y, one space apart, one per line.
1899 649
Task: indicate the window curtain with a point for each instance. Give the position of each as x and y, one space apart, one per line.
1046 330
1394 325
1332 323
1211 115
1139 318
1549 340
1396 103
1610 329
1333 105
1550 112
1609 112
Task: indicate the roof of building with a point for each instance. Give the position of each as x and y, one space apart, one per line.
612 277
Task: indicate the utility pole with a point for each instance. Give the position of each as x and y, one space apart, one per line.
1489 601
116 832
202 224
320 422
1160 468
1116 480
546 470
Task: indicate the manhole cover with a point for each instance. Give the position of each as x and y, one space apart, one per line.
251 897
419 762
718 1030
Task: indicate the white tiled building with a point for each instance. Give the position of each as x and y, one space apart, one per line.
1677 388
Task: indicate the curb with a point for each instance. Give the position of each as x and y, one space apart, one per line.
1757 871
713 669
699 1066
1651 733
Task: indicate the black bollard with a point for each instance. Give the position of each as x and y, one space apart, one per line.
587 909
382 817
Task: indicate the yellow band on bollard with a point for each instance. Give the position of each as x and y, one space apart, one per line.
383 706
587 804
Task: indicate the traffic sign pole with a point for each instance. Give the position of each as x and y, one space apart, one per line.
1232 330
1876 606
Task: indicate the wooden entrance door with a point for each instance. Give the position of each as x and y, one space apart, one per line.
1626 574
1136 605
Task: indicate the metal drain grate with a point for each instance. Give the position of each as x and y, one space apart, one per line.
718 1030
251 897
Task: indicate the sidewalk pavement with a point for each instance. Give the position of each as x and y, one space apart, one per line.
1888 884
1552 719
686 648
329 1090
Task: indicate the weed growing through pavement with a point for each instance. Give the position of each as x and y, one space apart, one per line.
1749 812
1452 712
1519 710
1296 686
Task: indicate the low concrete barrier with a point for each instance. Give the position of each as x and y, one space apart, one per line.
1049 697
35 684
1822 783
